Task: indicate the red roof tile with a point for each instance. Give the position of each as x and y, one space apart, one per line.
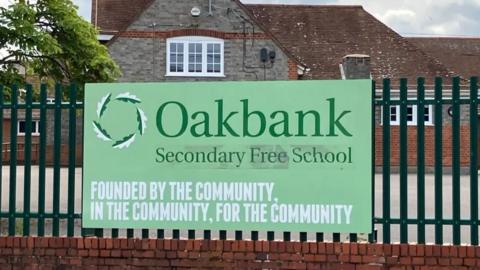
461 55
320 36
113 16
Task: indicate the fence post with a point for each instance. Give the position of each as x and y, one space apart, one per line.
421 160
386 161
41 160
474 160
403 161
27 162
456 160
56 159
71 158
438 161
13 162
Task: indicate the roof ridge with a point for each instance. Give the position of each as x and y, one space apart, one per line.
304 5
445 37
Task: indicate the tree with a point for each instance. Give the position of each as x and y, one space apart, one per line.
52 41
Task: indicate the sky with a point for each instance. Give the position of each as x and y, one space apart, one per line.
407 17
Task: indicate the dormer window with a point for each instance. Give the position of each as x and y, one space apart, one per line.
195 56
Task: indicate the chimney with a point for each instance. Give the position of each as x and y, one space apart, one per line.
355 66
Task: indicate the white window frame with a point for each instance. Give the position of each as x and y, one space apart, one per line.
35 124
413 122
186 40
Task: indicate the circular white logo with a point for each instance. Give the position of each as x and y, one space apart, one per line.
125 140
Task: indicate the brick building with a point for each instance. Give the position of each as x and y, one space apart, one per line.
166 40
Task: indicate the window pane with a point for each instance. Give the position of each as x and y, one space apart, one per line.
34 126
21 126
209 68
409 113
176 57
393 114
214 57
426 114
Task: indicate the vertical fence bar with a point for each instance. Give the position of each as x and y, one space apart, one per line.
223 235
160 234
403 162
176 234
319 237
421 160
386 161
438 161
72 145
336 237
287 236
41 160
130 233
56 160
474 161
371 237
207 235
191 234
303 237
270 236
456 160
13 162
1 148
254 236
238 235
27 155
145 233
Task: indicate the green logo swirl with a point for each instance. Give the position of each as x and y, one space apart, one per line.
123 141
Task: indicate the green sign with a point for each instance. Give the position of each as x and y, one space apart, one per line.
277 156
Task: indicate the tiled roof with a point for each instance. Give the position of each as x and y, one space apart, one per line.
461 55
320 36
112 16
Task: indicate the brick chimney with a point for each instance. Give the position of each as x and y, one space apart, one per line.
356 66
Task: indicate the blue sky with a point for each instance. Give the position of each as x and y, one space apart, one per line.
408 17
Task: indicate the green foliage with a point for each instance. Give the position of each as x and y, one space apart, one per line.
54 42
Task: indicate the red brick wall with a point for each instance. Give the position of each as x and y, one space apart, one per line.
292 70
429 146
93 253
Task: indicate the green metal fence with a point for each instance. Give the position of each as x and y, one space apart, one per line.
67 221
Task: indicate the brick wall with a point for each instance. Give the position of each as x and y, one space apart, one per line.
429 146
292 70
93 253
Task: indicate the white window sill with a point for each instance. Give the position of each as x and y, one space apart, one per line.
199 75
23 134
